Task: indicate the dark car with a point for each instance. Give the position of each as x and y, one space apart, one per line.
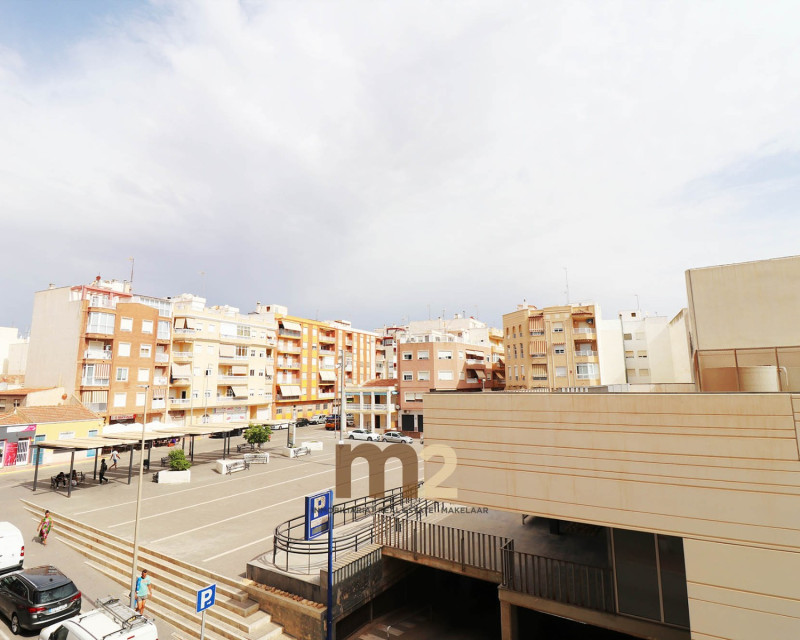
37 597
302 422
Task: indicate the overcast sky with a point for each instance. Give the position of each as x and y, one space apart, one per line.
377 161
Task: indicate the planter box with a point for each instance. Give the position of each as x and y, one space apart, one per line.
312 445
174 477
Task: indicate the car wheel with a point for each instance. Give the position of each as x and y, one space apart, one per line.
352 438
14 624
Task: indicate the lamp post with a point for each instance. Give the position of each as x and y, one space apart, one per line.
342 403
138 503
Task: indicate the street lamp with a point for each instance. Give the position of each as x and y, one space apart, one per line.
146 387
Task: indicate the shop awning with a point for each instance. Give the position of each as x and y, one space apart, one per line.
239 390
291 326
480 374
327 376
289 389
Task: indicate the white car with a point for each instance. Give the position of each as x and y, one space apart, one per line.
363 434
318 418
112 620
396 436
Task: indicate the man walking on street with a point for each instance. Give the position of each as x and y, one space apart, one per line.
114 459
143 591
103 469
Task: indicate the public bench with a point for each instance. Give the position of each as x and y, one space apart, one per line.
246 447
237 465
165 461
54 484
300 451
257 458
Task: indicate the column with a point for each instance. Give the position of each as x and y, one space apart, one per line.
508 621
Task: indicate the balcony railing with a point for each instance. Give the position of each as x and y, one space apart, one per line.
180 401
185 332
97 407
102 303
326 396
288 333
232 378
158 403
586 354
94 382
588 376
289 348
163 335
231 398
95 354
162 357
100 330
160 380
475 361
584 330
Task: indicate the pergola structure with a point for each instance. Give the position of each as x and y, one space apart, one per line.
130 439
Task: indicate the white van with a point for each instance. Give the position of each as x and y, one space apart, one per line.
12 548
111 620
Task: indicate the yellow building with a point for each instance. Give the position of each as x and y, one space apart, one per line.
696 494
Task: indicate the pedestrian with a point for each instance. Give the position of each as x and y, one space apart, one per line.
45 525
114 459
143 591
103 469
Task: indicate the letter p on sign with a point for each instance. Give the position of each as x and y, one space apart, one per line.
206 597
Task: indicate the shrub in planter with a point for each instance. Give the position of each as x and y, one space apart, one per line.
178 461
258 434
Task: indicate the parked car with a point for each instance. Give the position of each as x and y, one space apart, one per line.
111 620
302 422
396 436
332 421
318 418
12 547
364 434
38 597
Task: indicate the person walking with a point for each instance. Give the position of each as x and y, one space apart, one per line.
143 591
114 459
45 525
103 469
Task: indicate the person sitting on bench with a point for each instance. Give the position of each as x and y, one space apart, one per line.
61 478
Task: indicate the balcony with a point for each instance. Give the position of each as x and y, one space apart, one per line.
97 407
473 363
178 402
94 382
158 403
161 381
584 331
232 398
102 303
181 382
588 376
289 348
96 354
162 357
288 365
163 336
327 338
585 355
231 378
348 342
326 396
327 352
288 333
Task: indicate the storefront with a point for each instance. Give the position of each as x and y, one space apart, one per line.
15 443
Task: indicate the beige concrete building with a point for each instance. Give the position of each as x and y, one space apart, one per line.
656 348
558 347
13 351
222 368
697 494
373 405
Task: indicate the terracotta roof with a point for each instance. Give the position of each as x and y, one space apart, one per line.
42 415
24 391
380 382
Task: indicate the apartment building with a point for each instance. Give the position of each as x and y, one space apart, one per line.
307 371
223 363
564 346
13 351
373 404
693 496
657 349
459 354
108 348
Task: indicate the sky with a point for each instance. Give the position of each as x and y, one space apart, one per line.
386 161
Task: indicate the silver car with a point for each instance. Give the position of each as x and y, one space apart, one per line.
396 436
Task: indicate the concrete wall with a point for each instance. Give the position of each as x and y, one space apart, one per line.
56 328
752 304
722 471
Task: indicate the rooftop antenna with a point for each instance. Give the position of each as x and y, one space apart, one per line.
566 278
202 283
131 280
637 301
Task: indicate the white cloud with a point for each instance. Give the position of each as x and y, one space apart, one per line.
369 159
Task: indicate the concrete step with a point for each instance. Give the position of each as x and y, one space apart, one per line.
234 617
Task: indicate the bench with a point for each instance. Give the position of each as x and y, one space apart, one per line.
257 458
165 461
296 452
81 477
245 447
237 465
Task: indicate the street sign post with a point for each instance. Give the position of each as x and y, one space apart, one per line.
318 511
205 598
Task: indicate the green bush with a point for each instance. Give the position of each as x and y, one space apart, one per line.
178 461
257 434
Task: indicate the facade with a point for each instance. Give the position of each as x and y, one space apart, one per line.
27 425
105 346
14 398
222 364
696 494
13 351
564 346
307 371
373 405
656 348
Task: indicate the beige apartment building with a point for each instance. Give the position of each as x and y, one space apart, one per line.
307 364
222 367
373 405
106 347
697 495
557 347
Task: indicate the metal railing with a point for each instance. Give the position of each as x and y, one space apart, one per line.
96 354
581 585
462 547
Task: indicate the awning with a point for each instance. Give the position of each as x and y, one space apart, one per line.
181 370
180 323
239 370
227 350
538 346
102 370
327 376
477 354
499 375
289 389
480 374
94 397
291 326
239 390
538 371
536 323
190 323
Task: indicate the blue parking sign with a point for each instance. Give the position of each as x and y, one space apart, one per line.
206 597
318 512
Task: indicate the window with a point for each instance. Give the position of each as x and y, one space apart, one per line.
522 371
631 373
126 324
642 354
644 372
144 375
627 336
145 350
445 355
100 323
124 349
629 354
445 375
122 374
413 397
408 376
460 355
587 371
407 355
559 349
561 372
423 375
558 327
212 328
163 329
423 355
120 399
139 398
147 326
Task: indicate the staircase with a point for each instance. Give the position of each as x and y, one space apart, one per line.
234 615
